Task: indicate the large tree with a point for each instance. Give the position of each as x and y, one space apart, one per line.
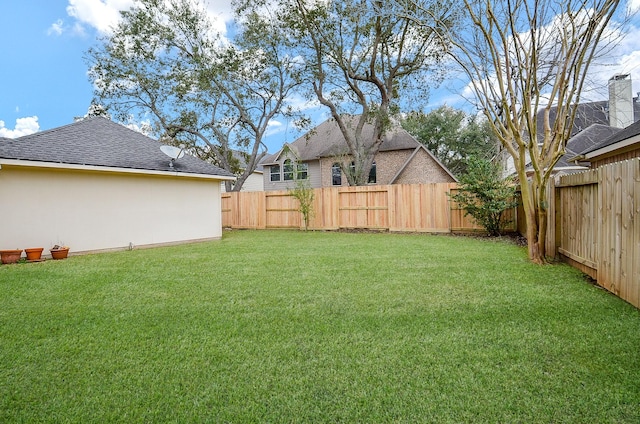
215 95
362 57
522 56
453 136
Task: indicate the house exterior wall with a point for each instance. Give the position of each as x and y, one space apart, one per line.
313 175
421 169
255 182
618 157
95 211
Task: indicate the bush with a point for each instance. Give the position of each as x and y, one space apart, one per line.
485 195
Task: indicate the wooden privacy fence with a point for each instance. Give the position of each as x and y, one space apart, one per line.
398 207
596 225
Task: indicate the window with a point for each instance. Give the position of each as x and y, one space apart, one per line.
336 174
275 172
288 170
372 174
352 169
303 171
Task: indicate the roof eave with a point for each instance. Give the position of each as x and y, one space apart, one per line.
612 147
93 168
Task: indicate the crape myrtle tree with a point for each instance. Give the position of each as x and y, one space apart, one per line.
362 59
453 136
165 61
523 56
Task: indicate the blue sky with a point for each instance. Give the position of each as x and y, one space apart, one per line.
44 80
43 73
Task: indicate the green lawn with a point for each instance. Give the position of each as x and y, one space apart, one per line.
280 326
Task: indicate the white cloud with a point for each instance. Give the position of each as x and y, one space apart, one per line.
56 28
142 126
24 126
633 6
99 14
105 14
274 127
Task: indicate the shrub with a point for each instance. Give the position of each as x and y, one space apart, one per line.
485 195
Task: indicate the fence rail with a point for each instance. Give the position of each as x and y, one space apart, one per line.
596 225
594 221
398 207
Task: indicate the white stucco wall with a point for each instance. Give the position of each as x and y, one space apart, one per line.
90 211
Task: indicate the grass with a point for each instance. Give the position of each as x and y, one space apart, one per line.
279 326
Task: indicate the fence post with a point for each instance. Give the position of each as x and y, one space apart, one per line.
557 217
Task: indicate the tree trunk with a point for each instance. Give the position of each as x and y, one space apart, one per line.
531 214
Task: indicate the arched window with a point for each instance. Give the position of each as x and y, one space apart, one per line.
336 174
372 174
288 170
275 172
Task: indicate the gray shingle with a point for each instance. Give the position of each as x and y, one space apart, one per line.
628 132
584 140
587 114
326 140
98 141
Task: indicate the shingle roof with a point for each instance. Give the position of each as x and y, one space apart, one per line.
588 114
586 139
97 141
326 140
623 134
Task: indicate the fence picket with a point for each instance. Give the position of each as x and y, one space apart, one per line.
600 227
597 211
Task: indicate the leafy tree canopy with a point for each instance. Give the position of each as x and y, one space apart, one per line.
362 58
453 136
217 96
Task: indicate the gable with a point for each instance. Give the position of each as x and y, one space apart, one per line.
422 167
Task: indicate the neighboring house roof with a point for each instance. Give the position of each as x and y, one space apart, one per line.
99 142
326 140
588 114
584 140
240 157
621 138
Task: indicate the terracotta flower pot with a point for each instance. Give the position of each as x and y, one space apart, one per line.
60 253
34 254
10 256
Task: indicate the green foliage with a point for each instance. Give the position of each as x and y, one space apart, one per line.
322 327
305 194
301 190
361 58
165 61
453 136
485 195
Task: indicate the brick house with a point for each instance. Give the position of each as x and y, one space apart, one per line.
320 155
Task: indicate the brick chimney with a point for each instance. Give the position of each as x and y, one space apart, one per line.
620 101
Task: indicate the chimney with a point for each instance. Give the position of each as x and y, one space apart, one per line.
620 101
